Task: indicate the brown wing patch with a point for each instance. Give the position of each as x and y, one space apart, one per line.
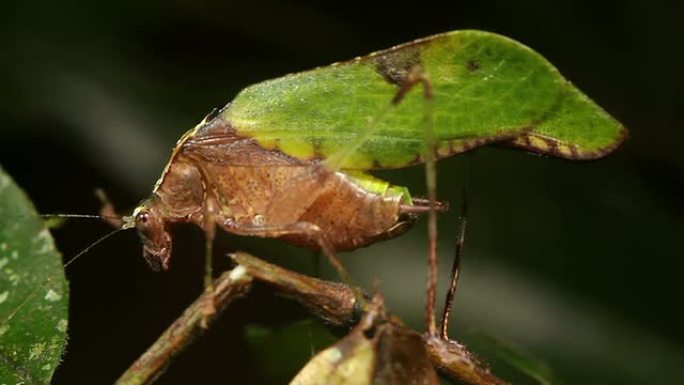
452 147
213 126
395 65
447 148
217 143
541 144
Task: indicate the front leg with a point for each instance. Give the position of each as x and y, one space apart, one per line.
209 227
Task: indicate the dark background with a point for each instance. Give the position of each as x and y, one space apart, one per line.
576 264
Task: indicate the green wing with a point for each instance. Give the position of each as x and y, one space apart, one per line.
487 88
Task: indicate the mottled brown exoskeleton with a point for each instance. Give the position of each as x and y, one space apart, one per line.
217 178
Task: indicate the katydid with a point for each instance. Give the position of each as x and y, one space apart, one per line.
289 158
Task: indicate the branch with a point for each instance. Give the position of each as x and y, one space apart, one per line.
330 301
334 303
146 369
453 360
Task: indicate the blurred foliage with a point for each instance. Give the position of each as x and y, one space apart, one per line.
532 370
34 294
282 352
577 263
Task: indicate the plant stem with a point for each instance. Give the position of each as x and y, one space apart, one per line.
330 301
228 287
454 361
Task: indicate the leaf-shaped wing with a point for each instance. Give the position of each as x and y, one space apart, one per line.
487 88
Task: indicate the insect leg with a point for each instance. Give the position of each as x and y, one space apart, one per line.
108 212
455 268
209 226
417 77
414 77
422 205
210 211
301 228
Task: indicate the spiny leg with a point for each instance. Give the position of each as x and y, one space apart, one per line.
212 208
307 229
414 77
455 268
209 225
421 206
417 77
289 204
431 184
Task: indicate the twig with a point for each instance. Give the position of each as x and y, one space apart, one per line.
228 287
453 360
330 301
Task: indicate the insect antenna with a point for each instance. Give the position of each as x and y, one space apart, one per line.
119 222
113 220
107 213
91 216
97 242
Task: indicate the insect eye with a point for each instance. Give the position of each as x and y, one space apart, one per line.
143 217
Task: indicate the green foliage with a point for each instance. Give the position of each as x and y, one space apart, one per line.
33 292
532 370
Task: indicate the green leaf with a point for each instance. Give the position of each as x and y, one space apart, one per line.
487 88
33 292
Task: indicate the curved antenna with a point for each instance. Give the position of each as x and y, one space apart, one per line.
97 242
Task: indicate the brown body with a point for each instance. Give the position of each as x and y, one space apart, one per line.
217 178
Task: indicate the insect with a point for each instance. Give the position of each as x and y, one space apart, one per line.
290 158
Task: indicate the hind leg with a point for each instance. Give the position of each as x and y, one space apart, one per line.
306 229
